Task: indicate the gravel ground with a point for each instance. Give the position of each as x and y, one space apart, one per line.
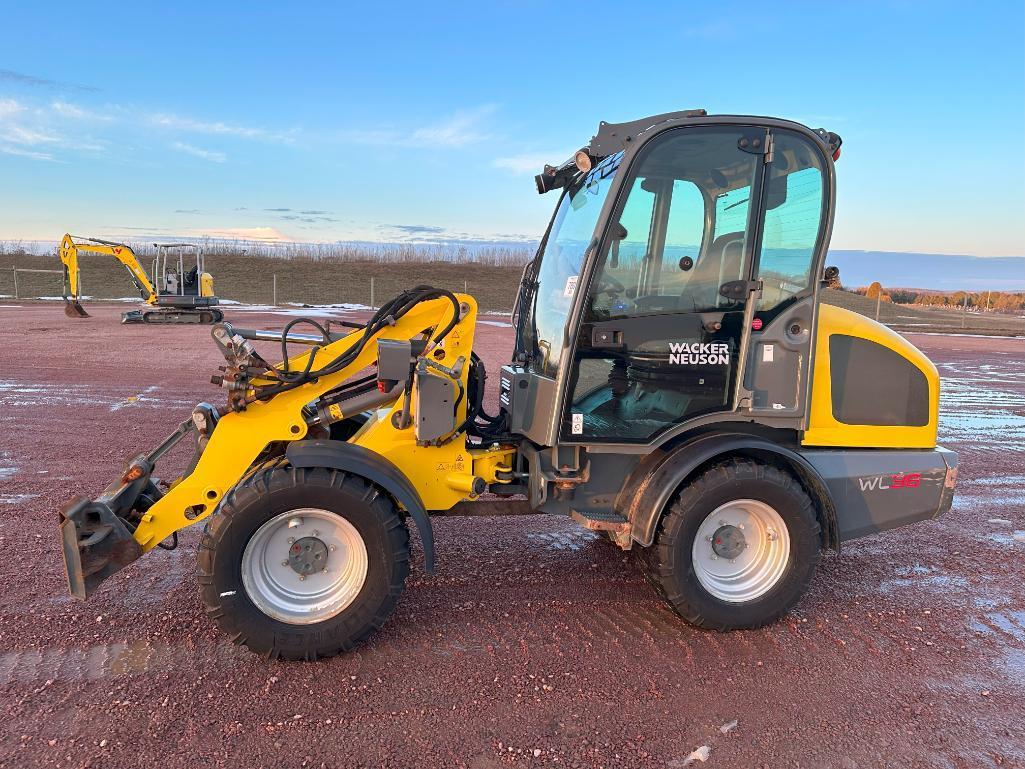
536 644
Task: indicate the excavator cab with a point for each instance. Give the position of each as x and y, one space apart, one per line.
183 288
178 270
675 384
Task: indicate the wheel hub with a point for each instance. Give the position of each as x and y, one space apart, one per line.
741 550
728 542
307 556
286 574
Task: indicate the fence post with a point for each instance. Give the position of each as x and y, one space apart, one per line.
372 305
15 270
465 289
879 299
274 289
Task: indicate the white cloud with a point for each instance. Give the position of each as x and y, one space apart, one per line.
9 150
529 162
189 125
462 128
19 134
31 132
197 152
68 110
458 130
10 107
244 233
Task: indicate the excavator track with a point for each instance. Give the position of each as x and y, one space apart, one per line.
168 317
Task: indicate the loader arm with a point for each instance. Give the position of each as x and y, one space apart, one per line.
68 252
443 472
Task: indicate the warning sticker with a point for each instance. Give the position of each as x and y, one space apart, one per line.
571 285
767 353
578 424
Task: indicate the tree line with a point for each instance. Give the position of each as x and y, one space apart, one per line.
994 301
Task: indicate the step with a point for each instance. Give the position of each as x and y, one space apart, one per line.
601 520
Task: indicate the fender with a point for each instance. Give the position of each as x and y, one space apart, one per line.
655 480
372 466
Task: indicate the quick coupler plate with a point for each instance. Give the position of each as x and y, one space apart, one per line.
96 544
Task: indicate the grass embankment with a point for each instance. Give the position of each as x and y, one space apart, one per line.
328 280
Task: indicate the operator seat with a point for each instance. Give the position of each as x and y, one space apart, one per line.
722 262
189 281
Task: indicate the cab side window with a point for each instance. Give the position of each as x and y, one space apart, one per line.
793 221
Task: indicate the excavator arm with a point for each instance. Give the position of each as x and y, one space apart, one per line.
68 251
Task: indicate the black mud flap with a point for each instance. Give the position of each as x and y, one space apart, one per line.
96 544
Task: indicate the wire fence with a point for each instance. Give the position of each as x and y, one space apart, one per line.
299 282
30 283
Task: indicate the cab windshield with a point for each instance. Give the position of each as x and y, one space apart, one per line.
561 259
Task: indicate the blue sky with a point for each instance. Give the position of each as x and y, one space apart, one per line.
386 121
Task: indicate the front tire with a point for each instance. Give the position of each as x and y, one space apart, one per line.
736 548
302 563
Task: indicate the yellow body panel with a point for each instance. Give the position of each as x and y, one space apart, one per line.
823 429
206 284
68 252
439 473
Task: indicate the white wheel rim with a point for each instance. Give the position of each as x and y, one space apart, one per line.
272 573
741 550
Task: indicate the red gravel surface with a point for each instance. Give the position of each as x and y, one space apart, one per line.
537 644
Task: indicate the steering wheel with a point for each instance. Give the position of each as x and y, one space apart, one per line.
608 282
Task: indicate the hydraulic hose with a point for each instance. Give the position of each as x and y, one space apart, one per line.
387 315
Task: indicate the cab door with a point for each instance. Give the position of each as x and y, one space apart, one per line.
663 320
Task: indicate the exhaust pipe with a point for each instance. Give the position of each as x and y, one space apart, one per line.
73 309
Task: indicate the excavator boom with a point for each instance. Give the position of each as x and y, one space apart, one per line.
68 251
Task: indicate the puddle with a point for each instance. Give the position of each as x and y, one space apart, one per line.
31 394
111 660
926 577
142 399
16 499
981 405
7 467
1007 539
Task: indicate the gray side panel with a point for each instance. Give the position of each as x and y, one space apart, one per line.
881 489
373 467
529 400
435 405
778 364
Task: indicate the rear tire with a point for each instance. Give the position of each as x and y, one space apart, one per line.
762 538
263 599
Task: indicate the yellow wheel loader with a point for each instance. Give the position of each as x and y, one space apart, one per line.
179 287
675 383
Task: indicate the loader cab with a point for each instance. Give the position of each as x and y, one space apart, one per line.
669 267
